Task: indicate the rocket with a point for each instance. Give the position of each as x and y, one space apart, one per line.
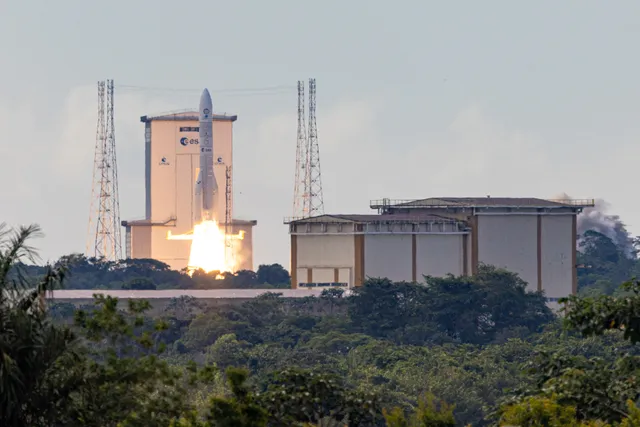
206 187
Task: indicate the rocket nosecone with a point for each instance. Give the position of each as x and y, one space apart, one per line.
206 185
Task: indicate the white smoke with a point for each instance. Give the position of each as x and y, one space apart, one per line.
597 219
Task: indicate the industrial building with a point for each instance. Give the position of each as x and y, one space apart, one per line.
407 239
172 160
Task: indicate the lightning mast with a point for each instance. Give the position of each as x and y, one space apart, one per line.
228 220
307 192
314 195
300 205
103 240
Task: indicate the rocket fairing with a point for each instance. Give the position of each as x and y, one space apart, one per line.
206 187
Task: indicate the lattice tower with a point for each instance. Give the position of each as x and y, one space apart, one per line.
104 239
314 192
301 184
228 214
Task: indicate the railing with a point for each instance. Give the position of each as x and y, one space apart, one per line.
418 203
375 204
183 111
575 202
290 219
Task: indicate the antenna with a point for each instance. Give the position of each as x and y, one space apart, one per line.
103 236
315 198
301 185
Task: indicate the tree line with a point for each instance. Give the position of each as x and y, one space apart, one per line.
149 274
448 351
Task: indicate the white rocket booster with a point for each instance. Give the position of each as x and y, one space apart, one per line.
206 187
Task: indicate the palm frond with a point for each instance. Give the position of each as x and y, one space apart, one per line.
14 250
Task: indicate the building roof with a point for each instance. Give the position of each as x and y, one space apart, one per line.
473 202
186 115
374 218
148 223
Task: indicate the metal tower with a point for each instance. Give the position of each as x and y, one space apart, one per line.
103 239
301 185
315 198
228 214
307 192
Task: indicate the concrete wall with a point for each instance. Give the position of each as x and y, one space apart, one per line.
141 242
244 247
388 255
439 254
172 182
510 241
558 246
323 254
175 253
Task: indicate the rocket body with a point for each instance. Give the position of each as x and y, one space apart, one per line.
206 188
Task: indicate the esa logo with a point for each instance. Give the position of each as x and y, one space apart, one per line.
188 141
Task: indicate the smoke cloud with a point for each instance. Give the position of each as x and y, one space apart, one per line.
597 219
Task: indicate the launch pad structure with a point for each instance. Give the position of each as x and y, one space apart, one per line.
172 159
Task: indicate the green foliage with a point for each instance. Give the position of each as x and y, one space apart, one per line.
452 309
241 410
149 274
427 414
272 274
228 351
140 284
594 386
538 411
305 396
595 315
31 348
106 372
602 265
326 361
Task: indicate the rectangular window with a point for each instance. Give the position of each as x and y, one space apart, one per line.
190 129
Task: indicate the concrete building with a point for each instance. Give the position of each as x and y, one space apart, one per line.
407 239
172 160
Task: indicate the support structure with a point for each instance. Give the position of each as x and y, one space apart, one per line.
228 219
307 197
103 236
316 201
300 191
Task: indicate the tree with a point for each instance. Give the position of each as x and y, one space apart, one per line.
273 274
602 265
32 391
475 309
228 351
538 411
295 395
595 388
468 309
397 310
429 413
241 410
596 315
51 377
140 284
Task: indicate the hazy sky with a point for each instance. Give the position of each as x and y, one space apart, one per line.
415 99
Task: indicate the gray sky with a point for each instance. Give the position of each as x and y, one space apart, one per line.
415 99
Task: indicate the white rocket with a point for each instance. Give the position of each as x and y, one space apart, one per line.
206 185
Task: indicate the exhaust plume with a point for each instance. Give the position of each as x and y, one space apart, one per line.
597 219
